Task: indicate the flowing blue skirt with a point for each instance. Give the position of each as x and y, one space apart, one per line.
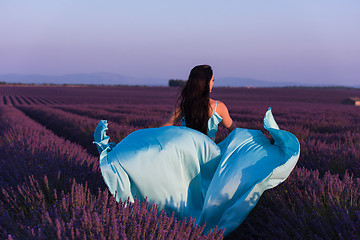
183 170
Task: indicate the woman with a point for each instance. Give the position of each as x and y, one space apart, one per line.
202 113
182 170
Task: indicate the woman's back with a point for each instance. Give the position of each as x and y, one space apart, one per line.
213 122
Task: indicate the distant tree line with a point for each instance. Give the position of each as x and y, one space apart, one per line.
177 83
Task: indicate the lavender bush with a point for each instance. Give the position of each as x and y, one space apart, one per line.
38 210
306 206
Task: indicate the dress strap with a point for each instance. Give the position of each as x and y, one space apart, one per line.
215 106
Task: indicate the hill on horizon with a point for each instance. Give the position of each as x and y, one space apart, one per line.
118 79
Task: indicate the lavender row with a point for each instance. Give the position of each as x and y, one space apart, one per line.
70 201
100 95
134 115
78 129
27 148
280 96
29 100
77 123
306 206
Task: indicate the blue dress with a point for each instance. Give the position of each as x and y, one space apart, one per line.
183 170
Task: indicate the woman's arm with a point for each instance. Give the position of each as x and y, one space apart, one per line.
226 119
174 118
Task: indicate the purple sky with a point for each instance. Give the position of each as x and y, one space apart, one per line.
294 41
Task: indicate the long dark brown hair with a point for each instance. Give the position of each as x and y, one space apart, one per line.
195 98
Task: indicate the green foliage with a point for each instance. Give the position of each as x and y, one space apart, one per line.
177 83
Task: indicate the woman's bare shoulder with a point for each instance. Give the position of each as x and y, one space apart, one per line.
224 113
221 106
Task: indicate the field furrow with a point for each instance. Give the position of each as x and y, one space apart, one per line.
51 100
45 101
25 100
18 100
40 100
32 100
6 100
2 100
12 100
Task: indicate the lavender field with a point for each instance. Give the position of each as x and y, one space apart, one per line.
52 188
